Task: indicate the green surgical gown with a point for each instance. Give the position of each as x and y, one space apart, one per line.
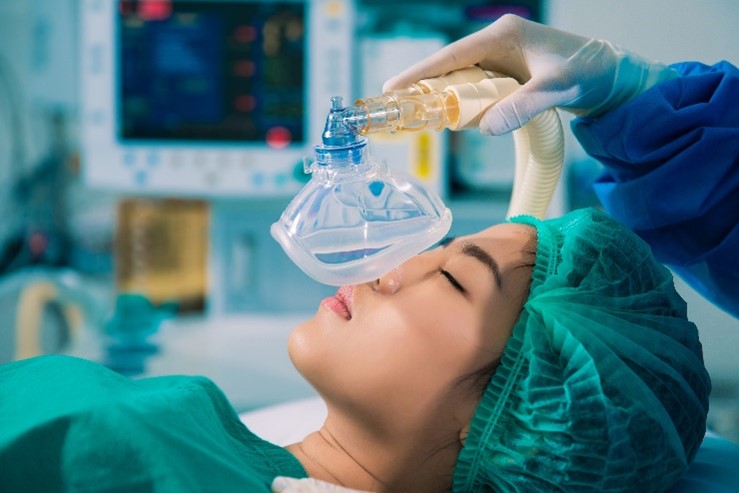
68 424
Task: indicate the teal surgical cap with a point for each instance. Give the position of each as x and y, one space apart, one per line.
601 386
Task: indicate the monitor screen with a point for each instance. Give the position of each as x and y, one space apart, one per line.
208 98
211 71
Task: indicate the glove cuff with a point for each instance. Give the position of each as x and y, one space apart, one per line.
633 75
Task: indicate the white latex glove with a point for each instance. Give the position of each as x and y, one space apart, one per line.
587 77
282 484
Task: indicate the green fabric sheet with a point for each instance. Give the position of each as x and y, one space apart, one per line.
67 424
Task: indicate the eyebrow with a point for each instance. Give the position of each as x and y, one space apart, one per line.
474 251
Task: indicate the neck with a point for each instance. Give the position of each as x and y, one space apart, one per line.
324 457
364 462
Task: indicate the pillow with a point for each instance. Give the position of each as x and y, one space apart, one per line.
290 422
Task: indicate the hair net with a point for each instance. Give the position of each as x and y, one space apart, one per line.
601 386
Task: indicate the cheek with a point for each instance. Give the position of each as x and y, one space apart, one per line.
345 361
408 350
429 344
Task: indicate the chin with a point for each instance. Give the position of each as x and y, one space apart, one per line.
302 351
295 342
311 355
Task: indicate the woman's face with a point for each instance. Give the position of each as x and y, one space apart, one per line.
401 345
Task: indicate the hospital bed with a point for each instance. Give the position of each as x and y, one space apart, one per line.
714 470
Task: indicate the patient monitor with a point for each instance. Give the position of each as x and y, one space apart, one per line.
210 98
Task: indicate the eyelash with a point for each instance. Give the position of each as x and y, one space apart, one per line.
452 280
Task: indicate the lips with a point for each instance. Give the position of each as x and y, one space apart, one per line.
345 294
341 303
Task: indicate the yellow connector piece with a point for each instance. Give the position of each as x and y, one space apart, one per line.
455 101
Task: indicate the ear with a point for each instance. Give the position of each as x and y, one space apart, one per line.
463 434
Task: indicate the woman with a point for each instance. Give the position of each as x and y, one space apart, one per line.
402 362
597 376
532 356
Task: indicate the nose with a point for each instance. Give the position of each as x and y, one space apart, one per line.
409 272
390 282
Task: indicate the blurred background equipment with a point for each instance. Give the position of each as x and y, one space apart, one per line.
160 271
161 250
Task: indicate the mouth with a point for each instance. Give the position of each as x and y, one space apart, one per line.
341 303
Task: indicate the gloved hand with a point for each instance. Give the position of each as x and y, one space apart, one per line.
282 484
587 77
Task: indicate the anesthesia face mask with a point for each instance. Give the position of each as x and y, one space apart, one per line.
354 221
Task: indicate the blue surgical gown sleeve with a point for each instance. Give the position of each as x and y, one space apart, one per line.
671 158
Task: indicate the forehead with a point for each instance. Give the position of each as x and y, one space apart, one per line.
508 234
506 241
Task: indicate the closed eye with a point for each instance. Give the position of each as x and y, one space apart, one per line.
452 281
